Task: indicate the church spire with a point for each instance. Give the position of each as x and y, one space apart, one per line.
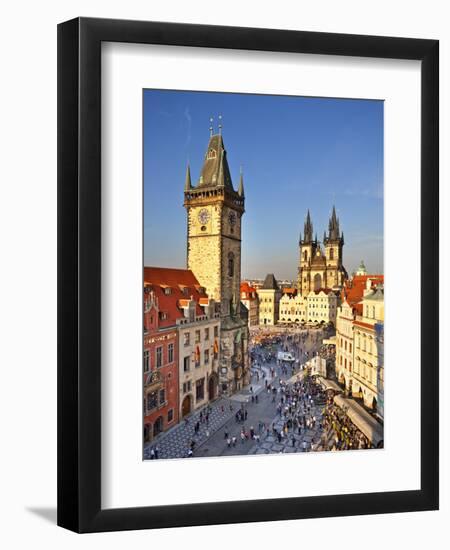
241 184
308 229
187 181
333 226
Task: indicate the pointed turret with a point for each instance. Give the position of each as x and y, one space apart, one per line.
241 185
324 237
308 229
333 226
187 181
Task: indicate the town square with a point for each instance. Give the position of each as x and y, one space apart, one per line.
236 365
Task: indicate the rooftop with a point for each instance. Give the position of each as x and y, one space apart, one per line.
270 283
174 288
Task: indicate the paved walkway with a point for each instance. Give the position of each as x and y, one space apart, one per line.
270 444
210 440
175 442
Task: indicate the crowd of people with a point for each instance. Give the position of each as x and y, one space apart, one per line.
300 404
344 434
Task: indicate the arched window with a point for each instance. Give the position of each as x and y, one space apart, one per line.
305 255
230 264
331 253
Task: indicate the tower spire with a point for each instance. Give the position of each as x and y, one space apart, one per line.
333 225
187 181
308 229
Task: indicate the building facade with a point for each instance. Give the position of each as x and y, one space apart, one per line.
249 298
199 344
292 307
321 266
160 366
316 307
368 372
269 296
214 216
360 340
182 328
321 306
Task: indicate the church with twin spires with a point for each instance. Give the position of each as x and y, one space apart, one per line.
214 222
320 266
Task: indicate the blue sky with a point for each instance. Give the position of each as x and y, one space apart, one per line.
296 153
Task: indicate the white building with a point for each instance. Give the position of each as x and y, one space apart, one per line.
321 306
199 345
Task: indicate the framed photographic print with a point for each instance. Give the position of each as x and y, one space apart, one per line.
248 235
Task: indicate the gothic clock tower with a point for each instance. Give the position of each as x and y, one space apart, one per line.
214 214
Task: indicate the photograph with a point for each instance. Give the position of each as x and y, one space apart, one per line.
263 284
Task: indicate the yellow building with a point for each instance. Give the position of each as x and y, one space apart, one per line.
292 307
368 370
214 214
360 341
269 301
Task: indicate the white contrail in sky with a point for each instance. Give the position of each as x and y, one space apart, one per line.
187 116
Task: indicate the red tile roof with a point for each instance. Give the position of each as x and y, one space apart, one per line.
288 290
249 291
160 278
353 291
245 287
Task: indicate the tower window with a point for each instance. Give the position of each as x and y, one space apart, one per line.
305 255
331 253
230 264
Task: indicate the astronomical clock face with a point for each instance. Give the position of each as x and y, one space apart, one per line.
203 216
232 218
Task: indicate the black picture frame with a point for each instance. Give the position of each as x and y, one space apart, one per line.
79 274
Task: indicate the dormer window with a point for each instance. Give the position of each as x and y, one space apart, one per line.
167 290
211 154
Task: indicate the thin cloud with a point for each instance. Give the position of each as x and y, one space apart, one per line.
188 117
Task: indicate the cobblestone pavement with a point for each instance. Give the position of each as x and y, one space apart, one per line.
175 442
293 443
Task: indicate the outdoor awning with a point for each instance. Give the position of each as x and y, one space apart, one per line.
329 384
372 429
